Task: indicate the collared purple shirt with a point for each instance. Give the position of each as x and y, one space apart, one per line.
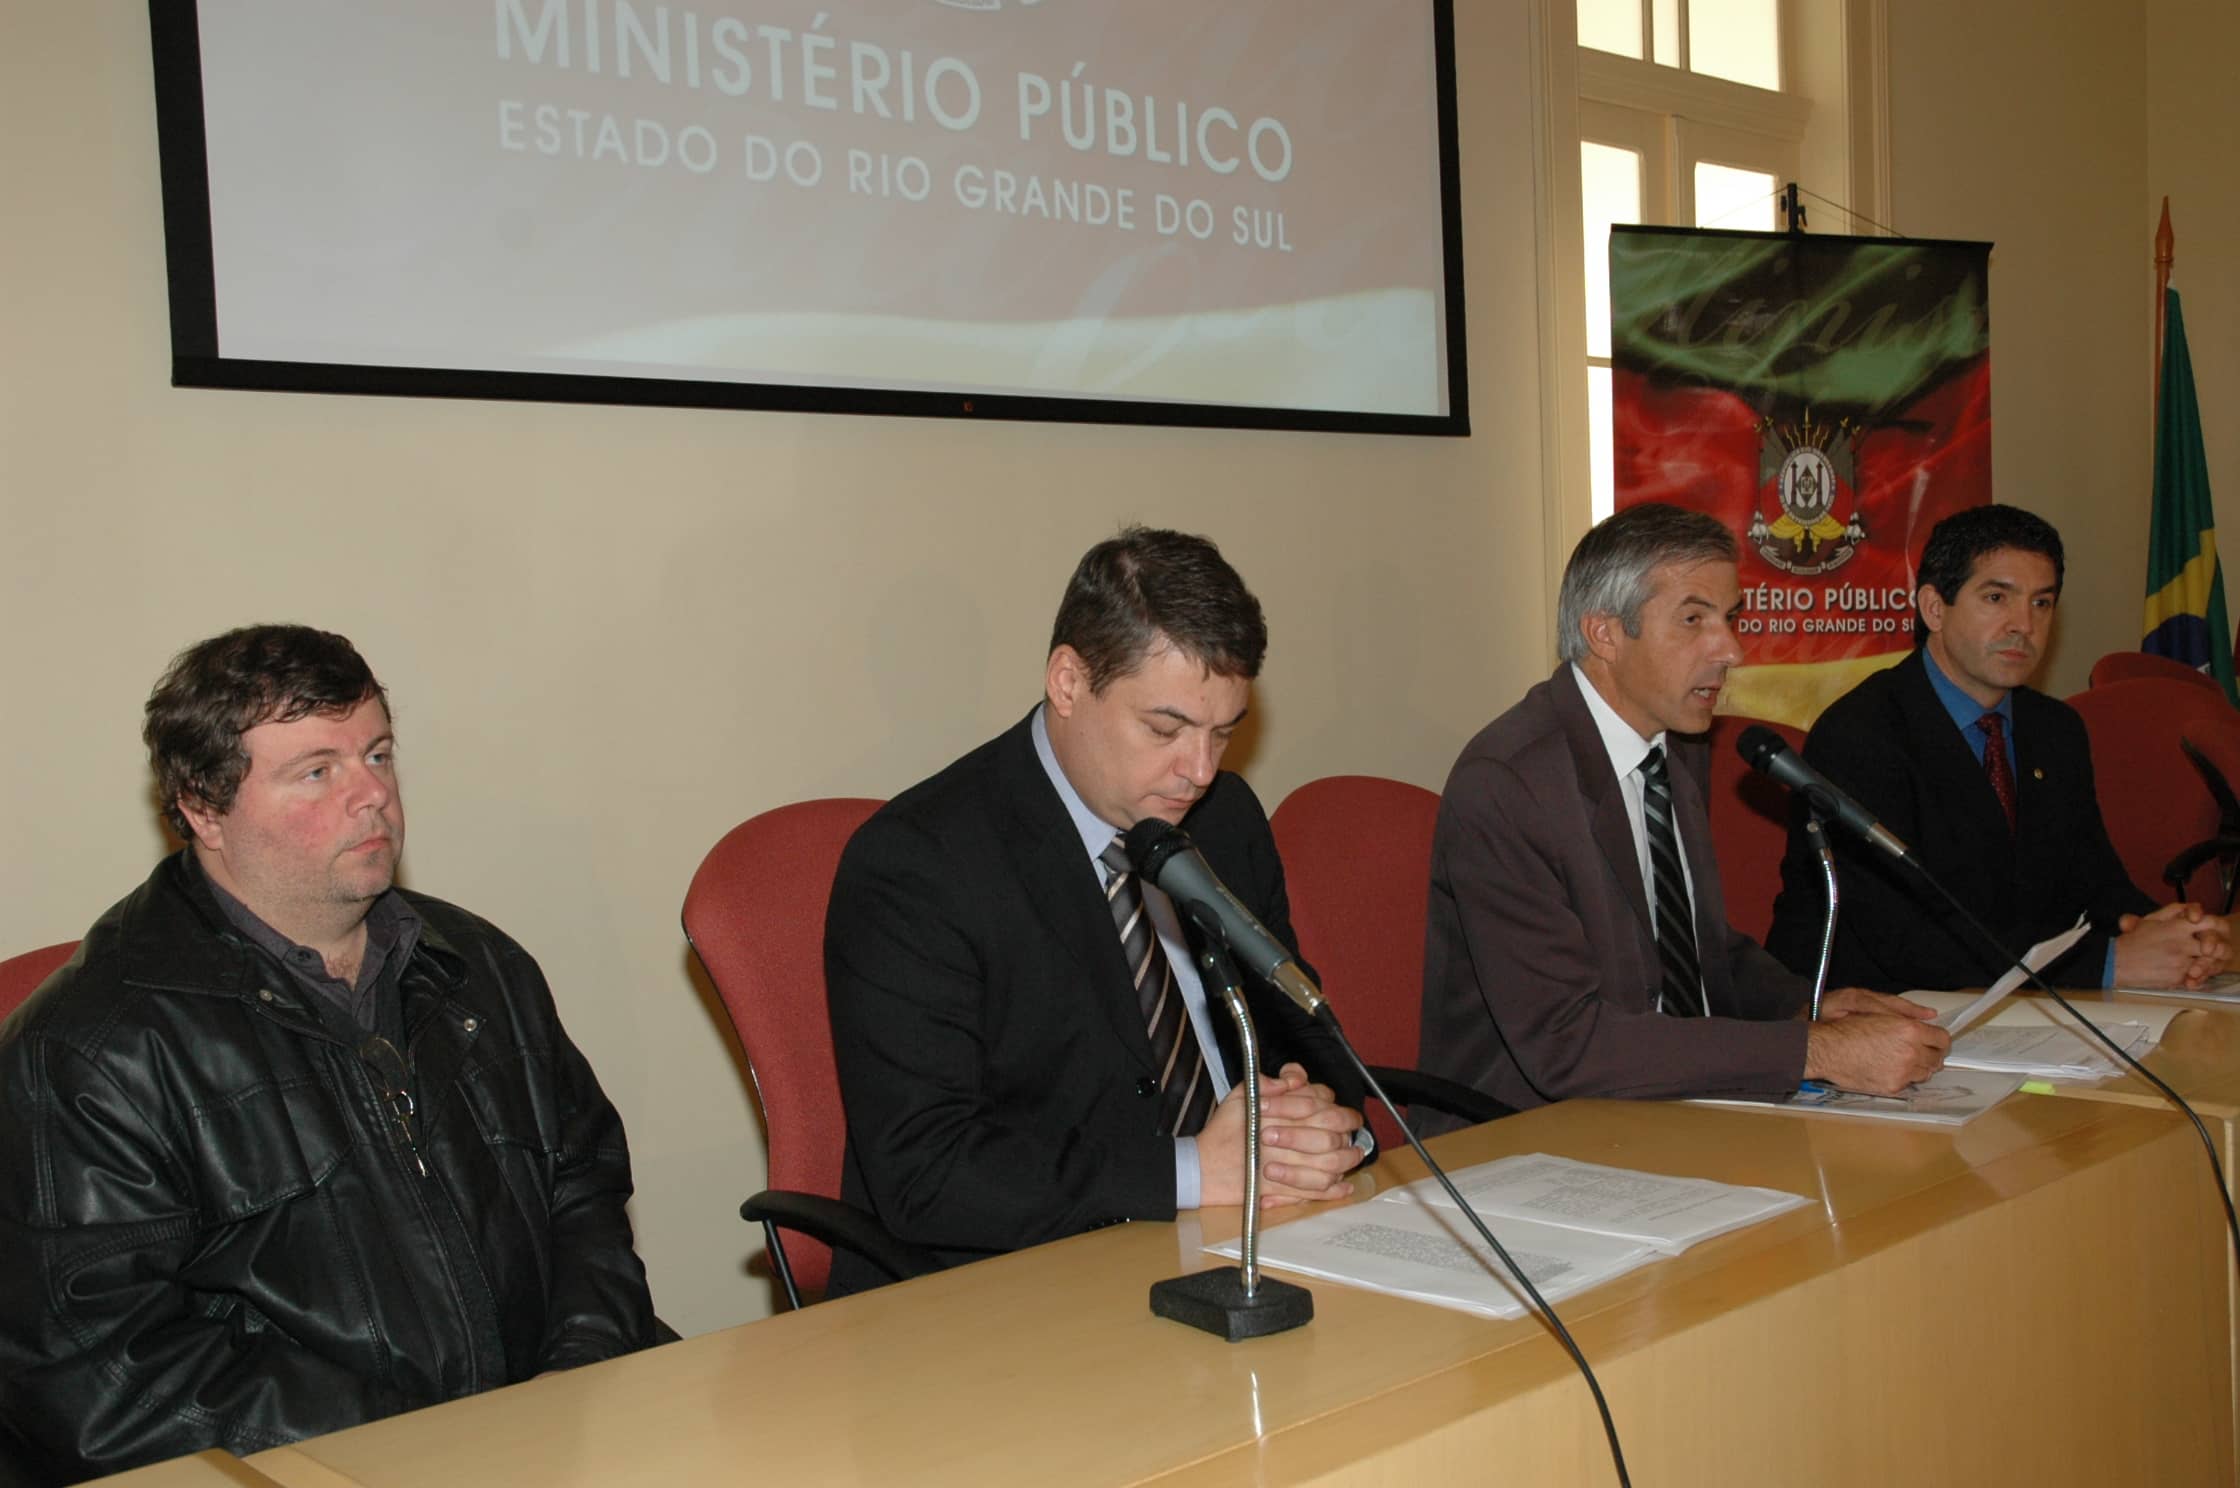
392 930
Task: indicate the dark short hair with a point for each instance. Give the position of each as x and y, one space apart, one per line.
1965 538
1129 591
1609 571
215 692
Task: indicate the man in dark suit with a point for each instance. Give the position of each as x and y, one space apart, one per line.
1019 1061
2014 831
1578 943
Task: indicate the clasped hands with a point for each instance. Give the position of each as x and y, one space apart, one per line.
2179 946
1306 1141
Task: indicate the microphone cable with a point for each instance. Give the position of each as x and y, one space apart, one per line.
2208 1145
1329 1019
1768 754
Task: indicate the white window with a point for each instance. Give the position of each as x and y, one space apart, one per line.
1693 112
1739 40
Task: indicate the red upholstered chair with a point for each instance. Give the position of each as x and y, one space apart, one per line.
1357 858
2208 872
1749 825
20 976
2154 801
2129 666
755 916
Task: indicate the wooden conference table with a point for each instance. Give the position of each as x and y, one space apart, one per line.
2021 1299
2199 1057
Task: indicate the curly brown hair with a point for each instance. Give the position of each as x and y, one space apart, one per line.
216 691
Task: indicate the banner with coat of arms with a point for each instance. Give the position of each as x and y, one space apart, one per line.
1829 398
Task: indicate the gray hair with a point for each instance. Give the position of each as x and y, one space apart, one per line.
1610 570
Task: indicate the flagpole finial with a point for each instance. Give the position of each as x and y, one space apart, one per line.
2165 243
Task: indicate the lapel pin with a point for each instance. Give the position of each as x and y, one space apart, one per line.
2038 772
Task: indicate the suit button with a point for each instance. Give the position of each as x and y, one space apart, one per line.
1147 1087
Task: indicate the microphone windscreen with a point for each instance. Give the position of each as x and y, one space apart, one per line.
1151 842
1758 745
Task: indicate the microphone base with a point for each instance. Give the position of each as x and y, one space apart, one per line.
1214 1302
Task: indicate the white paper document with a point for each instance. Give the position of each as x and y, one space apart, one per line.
2223 987
1432 1255
2036 1038
2048 1053
1570 1225
1950 1097
1666 1214
1958 1020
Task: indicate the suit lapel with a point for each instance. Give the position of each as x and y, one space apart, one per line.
1606 804
1062 887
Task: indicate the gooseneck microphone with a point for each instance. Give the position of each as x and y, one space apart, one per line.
1763 750
1164 855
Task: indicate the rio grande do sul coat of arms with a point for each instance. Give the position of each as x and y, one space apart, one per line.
1807 519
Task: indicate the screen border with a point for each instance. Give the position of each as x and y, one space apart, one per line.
196 360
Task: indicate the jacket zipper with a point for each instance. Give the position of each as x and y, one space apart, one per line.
401 1112
383 1058
394 1092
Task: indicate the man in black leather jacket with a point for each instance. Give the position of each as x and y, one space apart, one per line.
284 1148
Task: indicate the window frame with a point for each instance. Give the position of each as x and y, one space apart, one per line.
1834 58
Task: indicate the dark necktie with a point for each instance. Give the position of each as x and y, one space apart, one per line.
1185 1092
1682 990
1995 763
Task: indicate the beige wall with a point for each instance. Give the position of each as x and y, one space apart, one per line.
2024 122
612 633
2054 128
2193 157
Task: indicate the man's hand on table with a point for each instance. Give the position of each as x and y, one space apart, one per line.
1871 1051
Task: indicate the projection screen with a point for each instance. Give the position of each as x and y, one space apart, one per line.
1170 211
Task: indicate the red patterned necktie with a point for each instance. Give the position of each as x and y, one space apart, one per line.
1995 763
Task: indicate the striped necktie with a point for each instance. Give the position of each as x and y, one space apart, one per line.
1682 989
1185 1092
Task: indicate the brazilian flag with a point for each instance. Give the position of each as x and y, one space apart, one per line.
2185 617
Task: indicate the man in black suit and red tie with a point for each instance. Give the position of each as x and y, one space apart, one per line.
1024 1048
1990 783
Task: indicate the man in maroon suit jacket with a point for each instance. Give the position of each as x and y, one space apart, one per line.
1545 974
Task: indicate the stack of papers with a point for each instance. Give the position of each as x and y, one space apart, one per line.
1570 1225
2049 1053
2035 1039
1950 1097
2223 987
1665 1214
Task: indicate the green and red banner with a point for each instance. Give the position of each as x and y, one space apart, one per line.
1829 398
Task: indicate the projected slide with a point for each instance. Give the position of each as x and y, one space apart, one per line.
1191 203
